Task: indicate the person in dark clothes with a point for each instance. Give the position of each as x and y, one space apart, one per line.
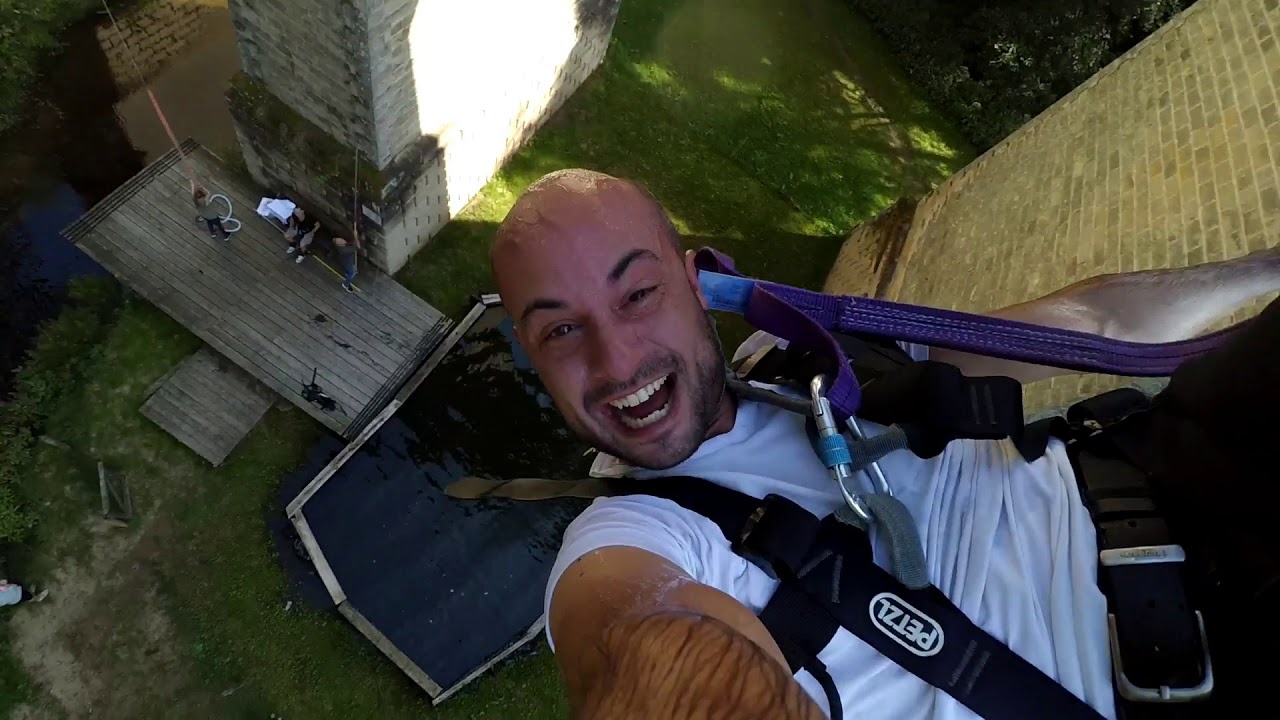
300 232
209 213
346 251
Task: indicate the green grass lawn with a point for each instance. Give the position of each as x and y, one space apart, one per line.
768 128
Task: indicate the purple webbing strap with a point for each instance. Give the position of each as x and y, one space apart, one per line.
775 316
806 318
995 337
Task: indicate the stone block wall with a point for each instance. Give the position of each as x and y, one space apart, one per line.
483 135
280 173
437 95
313 56
156 32
1169 156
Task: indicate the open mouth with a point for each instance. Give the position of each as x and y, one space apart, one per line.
647 405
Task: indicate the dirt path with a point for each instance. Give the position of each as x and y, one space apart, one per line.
103 644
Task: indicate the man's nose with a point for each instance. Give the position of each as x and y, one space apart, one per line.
616 354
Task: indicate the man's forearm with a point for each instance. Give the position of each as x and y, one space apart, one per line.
1151 306
684 666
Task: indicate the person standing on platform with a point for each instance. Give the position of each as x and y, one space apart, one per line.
209 213
346 250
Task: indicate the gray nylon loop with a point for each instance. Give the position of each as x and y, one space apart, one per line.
906 554
869 450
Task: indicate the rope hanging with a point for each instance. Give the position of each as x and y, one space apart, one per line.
155 104
355 211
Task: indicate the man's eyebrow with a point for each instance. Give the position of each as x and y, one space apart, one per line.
621 267
540 304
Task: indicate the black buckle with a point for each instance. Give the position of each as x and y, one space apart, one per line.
777 537
1159 650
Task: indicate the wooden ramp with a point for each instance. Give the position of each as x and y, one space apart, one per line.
208 404
247 299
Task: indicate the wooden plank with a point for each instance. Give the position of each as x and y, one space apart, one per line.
287 276
230 290
403 341
241 274
229 390
318 280
193 418
251 306
225 344
530 633
207 407
173 419
269 276
318 559
194 316
192 426
389 649
202 371
426 316
295 506
441 350
206 295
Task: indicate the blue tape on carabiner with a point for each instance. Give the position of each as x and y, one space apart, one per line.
834 450
726 292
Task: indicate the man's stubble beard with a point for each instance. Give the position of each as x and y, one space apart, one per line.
705 394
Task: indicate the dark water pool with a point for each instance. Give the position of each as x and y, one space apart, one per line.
452 583
83 137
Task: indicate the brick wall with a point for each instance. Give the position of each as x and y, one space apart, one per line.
156 32
1169 156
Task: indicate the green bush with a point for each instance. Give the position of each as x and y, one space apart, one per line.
52 372
30 31
995 64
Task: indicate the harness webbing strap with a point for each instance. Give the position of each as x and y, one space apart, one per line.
778 309
836 583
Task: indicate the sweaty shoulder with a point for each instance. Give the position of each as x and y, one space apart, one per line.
685 539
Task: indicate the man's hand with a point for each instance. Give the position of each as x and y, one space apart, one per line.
636 637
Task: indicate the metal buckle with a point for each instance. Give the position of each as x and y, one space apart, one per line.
1149 555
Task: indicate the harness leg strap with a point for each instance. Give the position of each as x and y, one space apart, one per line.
1160 651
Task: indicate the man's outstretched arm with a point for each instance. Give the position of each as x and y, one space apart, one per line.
1148 306
636 637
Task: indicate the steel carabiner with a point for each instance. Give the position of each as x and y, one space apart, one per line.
833 449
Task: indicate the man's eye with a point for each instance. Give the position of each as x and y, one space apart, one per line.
560 331
640 294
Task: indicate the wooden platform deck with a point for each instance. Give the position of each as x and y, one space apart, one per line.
246 298
208 404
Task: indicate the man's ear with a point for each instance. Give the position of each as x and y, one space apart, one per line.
691 271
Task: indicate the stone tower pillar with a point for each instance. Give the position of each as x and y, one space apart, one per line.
432 96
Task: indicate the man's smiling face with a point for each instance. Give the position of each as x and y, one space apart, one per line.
612 317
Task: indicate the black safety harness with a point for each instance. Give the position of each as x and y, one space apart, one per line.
828 579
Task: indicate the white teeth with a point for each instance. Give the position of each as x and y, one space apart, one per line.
647 420
640 395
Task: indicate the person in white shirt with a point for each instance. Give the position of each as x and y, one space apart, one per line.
650 611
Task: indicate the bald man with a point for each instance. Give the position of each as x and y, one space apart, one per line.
652 614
